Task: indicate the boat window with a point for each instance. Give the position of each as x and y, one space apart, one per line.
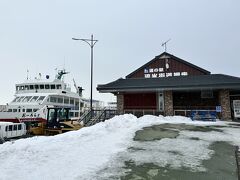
26 87
15 99
42 86
14 110
76 114
66 100
17 88
53 86
6 128
34 98
20 99
81 104
36 86
9 110
71 114
59 86
15 127
72 101
22 88
77 103
10 127
19 127
40 98
27 98
53 99
46 86
31 87
29 110
60 100
35 110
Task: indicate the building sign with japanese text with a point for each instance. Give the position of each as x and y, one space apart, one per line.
159 72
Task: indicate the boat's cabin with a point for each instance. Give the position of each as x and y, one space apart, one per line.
39 87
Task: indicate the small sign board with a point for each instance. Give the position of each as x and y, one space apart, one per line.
218 108
236 108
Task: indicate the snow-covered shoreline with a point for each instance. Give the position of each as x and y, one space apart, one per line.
78 154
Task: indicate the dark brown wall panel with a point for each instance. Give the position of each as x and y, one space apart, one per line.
140 101
174 66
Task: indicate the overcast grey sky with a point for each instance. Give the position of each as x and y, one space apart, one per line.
36 35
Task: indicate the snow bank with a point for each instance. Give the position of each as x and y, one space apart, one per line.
81 154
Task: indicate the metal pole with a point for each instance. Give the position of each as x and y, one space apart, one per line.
91 70
91 42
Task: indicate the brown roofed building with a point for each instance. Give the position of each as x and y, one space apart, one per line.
169 86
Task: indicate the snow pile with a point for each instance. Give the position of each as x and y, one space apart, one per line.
82 154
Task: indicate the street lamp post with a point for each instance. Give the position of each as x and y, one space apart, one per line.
91 42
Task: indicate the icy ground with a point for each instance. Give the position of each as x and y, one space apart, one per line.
99 152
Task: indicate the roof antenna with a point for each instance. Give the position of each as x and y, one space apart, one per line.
165 45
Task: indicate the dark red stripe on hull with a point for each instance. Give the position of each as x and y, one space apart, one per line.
23 120
10 120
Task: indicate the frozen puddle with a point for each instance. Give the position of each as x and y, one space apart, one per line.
178 151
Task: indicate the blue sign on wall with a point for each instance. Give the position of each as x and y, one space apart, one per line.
218 108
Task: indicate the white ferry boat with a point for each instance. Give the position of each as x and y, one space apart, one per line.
33 97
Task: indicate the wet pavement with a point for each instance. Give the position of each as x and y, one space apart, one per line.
177 152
